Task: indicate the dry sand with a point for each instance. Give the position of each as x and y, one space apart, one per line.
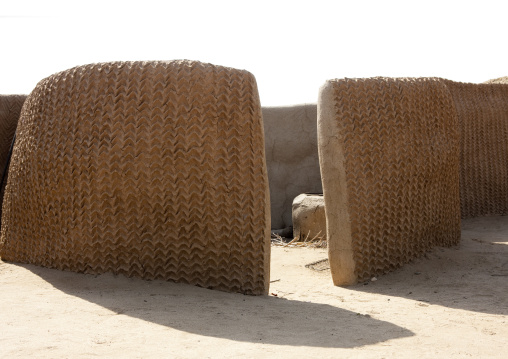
451 303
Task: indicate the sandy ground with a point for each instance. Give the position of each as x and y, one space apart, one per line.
451 303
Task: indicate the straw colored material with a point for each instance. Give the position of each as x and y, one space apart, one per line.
389 157
500 80
483 117
10 109
148 169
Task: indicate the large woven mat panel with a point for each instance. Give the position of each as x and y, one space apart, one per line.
389 157
147 169
10 109
483 121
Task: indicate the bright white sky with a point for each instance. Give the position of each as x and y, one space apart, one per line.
291 47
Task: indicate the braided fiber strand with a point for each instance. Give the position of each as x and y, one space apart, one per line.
389 151
147 169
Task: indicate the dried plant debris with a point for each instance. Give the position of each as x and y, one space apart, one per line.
315 242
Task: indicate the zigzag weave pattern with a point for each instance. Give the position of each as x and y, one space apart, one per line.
389 151
147 169
483 121
10 109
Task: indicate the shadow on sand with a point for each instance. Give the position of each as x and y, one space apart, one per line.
472 276
236 317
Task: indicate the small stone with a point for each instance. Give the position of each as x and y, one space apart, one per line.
373 279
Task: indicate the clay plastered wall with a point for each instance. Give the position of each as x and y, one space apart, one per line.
483 118
148 169
10 109
291 157
389 154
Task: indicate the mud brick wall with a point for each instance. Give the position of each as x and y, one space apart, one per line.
291 157
10 109
147 169
483 119
389 155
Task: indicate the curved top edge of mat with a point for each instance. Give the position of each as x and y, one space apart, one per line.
499 80
414 79
480 85
182 63
385 79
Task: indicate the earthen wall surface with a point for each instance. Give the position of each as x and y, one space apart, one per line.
291 157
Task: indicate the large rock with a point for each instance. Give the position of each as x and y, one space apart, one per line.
309 219
291 157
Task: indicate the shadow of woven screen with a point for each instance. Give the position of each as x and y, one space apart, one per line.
483 119
147 169
389 156
10 109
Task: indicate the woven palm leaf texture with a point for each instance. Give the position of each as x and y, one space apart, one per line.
499 80
10 109
389 157
147 169
483 120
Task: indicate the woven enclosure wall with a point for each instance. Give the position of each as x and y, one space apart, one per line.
10 109
389 157
483 118
148 169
